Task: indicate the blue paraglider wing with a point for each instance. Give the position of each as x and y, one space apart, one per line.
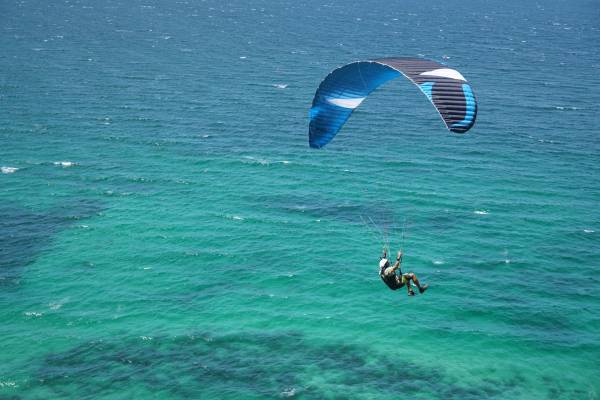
346 87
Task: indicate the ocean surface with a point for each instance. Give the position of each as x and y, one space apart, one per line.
166 231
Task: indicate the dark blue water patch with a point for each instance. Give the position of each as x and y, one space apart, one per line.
256 364
26 233
12 397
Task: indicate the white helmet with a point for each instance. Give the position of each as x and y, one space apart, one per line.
383 262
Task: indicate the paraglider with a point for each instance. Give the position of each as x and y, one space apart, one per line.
345 88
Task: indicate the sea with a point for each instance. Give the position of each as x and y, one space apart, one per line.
167 233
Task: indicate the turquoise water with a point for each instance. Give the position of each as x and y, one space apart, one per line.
167 233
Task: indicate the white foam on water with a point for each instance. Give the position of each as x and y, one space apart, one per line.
288 392
9 170
588 230
33 314
56 305
65 164
261 161
146 337
280 85
8 384
438 262
481 212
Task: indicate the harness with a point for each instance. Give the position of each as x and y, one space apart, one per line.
391 280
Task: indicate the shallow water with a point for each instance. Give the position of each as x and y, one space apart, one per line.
167 232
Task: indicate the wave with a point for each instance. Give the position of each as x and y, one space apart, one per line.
56 305
8 170
33 314
253 160
263 161
234 217
288 392
65 164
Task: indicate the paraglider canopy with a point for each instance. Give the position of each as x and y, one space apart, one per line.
346 87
